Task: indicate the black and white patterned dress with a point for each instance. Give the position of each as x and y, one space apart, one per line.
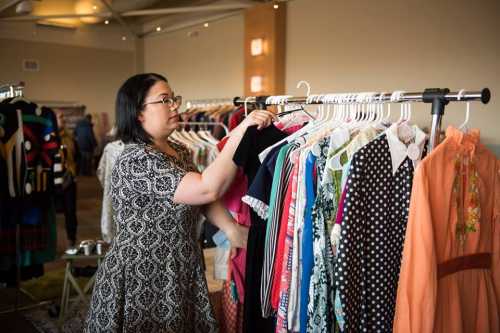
151 280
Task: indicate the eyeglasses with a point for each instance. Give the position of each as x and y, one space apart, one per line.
176 101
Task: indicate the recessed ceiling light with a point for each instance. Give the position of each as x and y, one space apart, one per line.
206 25
124 38
106 22
94 7
158 28
276 6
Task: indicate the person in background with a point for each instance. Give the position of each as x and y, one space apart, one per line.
110 153
67 195
87 144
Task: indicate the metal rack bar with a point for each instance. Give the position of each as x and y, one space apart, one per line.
438 97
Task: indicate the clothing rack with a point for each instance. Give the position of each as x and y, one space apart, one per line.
208 102
11 90
438 97
206 123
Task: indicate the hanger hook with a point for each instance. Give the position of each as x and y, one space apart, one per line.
246 106
302 82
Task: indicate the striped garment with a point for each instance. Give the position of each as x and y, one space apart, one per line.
282 173
286 273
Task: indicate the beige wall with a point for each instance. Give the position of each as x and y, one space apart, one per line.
98 36
341 46
67 73
207 66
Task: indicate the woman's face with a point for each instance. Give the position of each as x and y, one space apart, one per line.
159 119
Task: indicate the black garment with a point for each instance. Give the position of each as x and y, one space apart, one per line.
66 202
246 156
372 237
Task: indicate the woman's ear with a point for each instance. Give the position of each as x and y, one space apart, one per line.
140 117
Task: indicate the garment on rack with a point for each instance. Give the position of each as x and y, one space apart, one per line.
246 156
28 151
373 228
450 271
111 152
320 316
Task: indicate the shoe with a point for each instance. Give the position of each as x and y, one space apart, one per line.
72 251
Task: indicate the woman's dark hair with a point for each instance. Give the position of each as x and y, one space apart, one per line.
129 104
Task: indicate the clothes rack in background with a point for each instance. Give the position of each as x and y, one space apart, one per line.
439 97
206 123
11 90
204 103
28 126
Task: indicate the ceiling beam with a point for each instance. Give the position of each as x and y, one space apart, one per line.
117 16
192 9
188 24
145 12
7 4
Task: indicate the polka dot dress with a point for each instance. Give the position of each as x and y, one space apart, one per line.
372 237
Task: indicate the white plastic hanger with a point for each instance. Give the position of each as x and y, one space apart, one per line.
463 126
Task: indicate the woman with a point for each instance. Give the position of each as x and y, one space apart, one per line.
151 280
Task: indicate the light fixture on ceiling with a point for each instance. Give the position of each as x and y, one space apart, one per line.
256 83
124 38
86 7
206 25
257 47
276 6
106 22
158 29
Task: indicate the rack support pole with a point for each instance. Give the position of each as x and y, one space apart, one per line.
436 96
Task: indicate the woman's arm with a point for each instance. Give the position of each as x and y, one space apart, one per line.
200 189
217 214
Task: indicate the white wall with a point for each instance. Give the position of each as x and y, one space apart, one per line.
88 76
207 66
387 45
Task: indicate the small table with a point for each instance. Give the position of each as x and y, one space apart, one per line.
70 281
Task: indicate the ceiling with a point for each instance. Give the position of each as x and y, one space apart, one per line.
140 18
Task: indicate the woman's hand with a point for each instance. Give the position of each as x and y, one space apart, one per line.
261 118
237 235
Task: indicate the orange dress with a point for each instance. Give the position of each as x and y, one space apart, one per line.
450 271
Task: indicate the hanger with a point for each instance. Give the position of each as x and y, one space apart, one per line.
463 127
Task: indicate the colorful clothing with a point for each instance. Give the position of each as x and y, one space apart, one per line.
450 271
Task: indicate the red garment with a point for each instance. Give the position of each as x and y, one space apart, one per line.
241 212
222 143
236 118
280 251
232 312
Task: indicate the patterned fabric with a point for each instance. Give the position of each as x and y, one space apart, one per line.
232 311
321 289
371 243
151 280
294 298
286 273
